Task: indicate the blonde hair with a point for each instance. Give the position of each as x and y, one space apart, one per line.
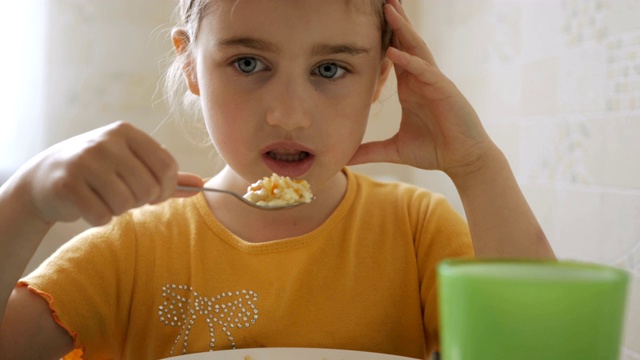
189 14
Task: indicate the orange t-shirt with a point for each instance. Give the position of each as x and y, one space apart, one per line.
169 279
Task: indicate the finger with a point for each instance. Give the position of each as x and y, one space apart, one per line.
376 151
418 67
139 162
91 207
113 192
77 200
400 9
187 179
406 37
142 183
159 162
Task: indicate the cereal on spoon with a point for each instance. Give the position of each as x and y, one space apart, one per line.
279 190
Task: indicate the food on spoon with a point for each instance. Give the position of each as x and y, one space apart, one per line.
278 191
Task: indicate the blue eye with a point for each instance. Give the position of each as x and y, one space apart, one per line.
329 71
249 65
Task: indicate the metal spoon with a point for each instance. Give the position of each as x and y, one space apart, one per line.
241 198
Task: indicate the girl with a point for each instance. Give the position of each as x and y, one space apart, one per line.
285 86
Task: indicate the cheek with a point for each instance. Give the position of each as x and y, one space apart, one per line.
225 118
221 107
348 130
355 112
349 117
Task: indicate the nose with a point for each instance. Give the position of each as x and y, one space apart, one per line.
290 103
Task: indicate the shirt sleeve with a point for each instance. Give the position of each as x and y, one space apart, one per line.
441 234
87 283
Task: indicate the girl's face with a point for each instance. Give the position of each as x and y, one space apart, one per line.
286 85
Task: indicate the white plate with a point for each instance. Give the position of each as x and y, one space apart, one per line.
289 354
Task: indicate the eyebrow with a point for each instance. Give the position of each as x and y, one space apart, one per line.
318 50
348 49
250 43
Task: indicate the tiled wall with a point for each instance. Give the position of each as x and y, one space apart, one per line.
557 83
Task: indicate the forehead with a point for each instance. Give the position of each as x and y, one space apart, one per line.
298 19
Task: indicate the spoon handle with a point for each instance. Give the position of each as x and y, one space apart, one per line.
198 189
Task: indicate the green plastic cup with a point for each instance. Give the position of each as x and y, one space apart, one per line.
512 309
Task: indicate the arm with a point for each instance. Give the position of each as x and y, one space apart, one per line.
94 176
28 330
26 315
17 221
440 130
500 220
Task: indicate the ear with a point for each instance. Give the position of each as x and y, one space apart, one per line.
385 69
181 42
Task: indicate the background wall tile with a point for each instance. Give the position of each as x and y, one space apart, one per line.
622 150
539 87
578 231
620 236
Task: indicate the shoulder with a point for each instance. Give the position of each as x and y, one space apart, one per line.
399 202
125 232
169 211
408 212
170 214
395 193
119 244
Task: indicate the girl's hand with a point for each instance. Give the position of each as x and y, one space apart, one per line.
439 129
101 174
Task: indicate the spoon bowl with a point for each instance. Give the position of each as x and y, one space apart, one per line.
241 198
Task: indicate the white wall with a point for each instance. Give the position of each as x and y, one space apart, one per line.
21 71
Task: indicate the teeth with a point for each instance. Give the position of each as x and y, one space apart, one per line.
288 157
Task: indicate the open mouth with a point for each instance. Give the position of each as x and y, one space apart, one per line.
288 156
287 159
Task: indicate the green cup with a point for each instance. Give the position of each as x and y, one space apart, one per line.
538 310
